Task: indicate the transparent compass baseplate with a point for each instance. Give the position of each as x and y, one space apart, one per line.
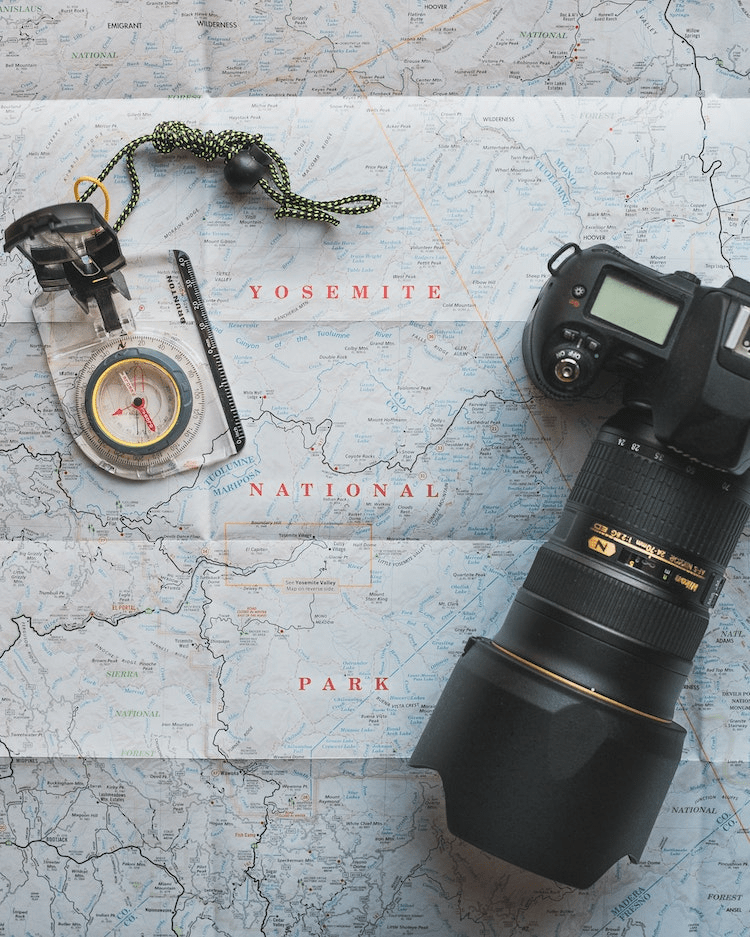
141 401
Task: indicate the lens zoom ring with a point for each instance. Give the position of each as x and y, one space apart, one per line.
686 512
629 610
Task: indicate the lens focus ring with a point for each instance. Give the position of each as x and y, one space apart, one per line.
630 610
668 530
691 512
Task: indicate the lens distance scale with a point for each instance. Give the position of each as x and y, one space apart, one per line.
151 398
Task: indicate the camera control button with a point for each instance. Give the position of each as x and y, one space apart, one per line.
592 345
579 291
571 335
567 370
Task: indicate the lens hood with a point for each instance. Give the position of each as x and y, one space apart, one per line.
543 773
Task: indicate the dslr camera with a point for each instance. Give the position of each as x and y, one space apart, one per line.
555 740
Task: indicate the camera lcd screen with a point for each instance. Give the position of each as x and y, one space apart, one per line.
642 312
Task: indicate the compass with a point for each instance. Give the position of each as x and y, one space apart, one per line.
146 395
138 400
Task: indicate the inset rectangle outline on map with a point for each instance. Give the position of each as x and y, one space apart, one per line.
299 558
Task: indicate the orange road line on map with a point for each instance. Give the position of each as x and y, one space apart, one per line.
432 224
434 227
416 36
457 272
719 781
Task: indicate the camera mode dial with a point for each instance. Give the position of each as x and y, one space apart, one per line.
572 363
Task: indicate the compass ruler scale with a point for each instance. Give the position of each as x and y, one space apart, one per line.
195 300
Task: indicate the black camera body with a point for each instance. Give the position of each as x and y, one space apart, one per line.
555 740
684 349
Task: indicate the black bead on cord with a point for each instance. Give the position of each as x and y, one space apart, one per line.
247 159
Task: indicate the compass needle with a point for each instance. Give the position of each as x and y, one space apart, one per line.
143 402
128 383
141 408
144 395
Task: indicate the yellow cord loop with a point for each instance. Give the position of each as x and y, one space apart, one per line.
98 185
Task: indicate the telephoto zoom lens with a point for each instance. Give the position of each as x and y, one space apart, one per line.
555 740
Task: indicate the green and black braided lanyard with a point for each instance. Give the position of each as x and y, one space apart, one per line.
227 145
